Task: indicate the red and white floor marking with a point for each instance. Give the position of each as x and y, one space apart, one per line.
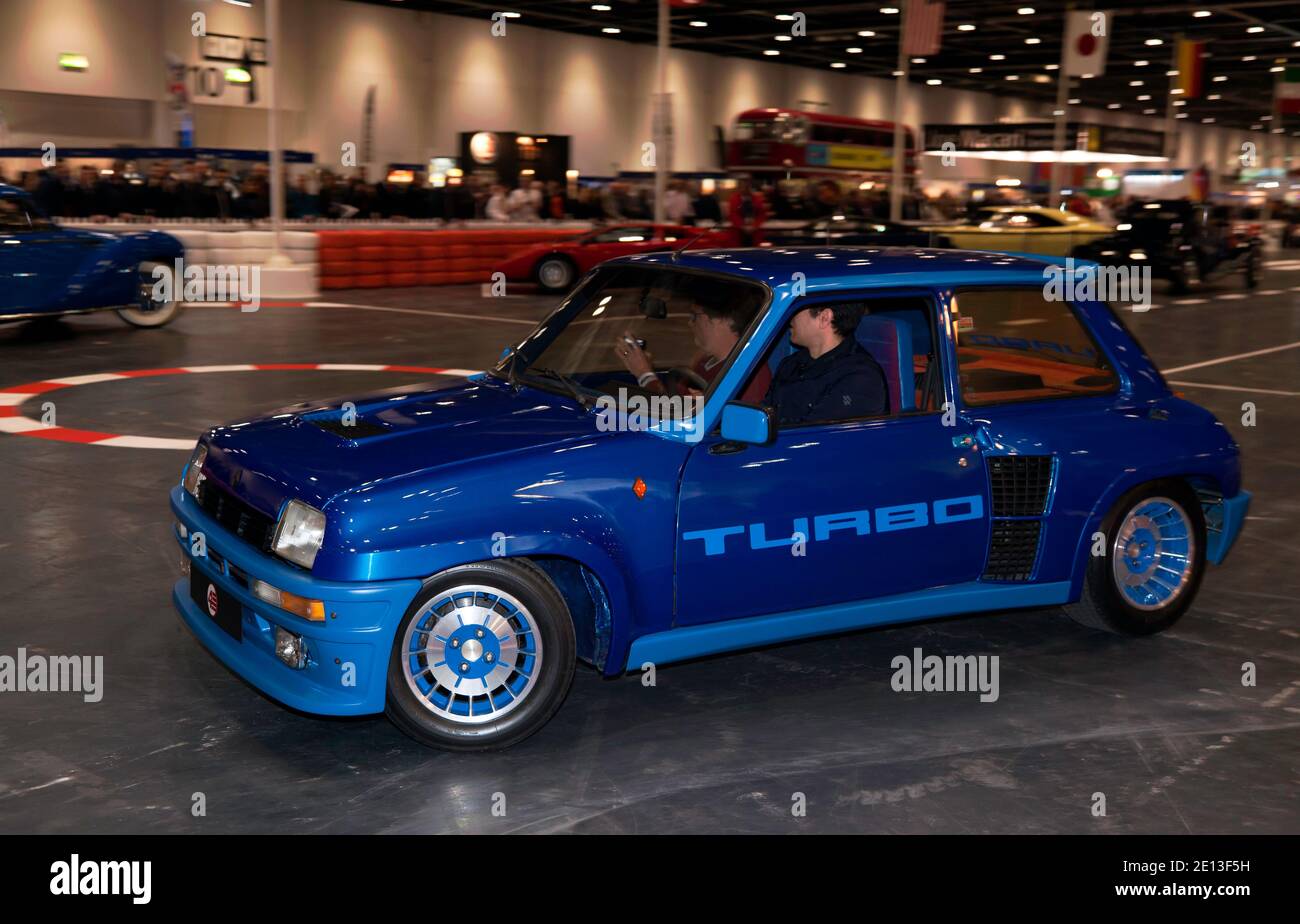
14 422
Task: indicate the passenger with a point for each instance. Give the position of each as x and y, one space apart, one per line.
716 328
831 376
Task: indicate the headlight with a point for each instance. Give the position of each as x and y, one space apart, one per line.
194 471
299 534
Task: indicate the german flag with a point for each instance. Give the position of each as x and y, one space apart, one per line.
1191 69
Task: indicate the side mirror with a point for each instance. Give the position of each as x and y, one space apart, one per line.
748 423
505 353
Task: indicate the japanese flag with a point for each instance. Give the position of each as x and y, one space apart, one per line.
1087 36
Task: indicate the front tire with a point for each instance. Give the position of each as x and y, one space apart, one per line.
556 273
1154 561
150 310
483 657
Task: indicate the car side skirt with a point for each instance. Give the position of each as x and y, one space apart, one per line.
734 634
5 318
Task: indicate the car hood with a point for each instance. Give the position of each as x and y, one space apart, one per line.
307 451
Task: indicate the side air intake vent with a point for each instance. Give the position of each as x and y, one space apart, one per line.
1013 550
1019 485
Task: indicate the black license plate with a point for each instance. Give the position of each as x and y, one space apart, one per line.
224 609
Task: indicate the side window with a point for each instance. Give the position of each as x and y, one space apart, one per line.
13 217
624 235
898 334
1016 345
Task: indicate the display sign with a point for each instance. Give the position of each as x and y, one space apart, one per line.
1038 136
848 156
507 156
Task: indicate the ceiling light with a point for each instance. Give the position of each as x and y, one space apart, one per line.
771 52
1171 73
1148 112
611 30
1276 70
1154 42
896 73
933 82
1254 29
1135 83
1180 102
1247 59
889 10
918 60
601 7
1075 102
1052 67
1208 119
785 17
1026 11
1144 97
977 70
1214 96
1032 41
1112 105
1201 14
838 64
1181 115
699 23
855 50
1141 63
783 38
867 33
1219 78
966 27
1013 76
997 57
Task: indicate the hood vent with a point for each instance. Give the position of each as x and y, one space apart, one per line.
357 430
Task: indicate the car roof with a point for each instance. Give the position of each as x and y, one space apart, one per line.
857 266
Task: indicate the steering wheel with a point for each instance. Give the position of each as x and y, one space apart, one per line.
681 373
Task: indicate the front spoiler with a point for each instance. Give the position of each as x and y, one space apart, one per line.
347 667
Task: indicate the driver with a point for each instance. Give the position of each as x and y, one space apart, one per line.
831 376
716 329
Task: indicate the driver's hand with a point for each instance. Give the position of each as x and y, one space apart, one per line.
636 360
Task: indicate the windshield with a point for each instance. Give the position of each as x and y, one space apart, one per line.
639 328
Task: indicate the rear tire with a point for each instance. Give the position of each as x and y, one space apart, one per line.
483 657
149 310
1154 561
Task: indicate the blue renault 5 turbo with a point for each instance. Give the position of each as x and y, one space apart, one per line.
446 554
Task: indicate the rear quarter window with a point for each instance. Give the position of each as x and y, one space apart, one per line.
1014 344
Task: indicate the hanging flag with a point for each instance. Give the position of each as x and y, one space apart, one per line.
1191 68
1288 92
923 29
1087 36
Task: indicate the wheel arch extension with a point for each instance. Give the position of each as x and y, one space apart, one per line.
589 606
1207 487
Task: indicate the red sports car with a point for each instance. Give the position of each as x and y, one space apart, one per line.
557 265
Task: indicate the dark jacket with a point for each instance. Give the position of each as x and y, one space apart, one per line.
842 383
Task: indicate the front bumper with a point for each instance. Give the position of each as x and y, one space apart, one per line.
347 654
1223 524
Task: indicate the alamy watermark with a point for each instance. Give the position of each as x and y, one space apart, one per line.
212 282
53 674
639 412
923 673
1089 282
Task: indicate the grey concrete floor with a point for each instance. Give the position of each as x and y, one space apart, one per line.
1162 726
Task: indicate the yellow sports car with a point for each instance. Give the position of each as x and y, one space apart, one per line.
1024 229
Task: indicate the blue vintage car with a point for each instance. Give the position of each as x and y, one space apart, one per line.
46 270
446 554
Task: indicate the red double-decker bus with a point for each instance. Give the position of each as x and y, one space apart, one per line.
792 143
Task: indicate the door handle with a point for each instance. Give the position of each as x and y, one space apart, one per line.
726 447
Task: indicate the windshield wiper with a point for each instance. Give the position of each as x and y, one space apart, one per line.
572 386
